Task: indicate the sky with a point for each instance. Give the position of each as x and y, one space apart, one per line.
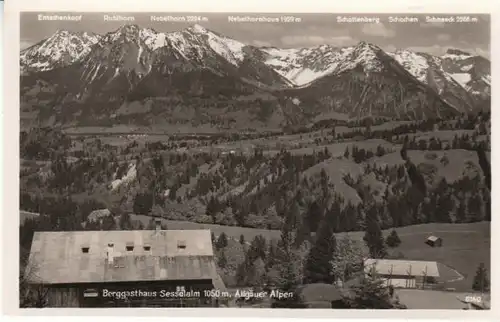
312 30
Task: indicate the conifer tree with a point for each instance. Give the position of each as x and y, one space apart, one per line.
313 216
212 208
221 241
258 248
485 165
474 206
318 267
373 235
393 239
290 275
481 282
271 255
222 259
346 153
461 211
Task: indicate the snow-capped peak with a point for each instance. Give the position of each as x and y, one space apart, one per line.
364 44
61 49
128 29
365 47
197 41
300 66
363 54
198 29
126 32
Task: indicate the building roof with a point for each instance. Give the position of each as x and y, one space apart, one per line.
433 238
98 214
402 267
58 258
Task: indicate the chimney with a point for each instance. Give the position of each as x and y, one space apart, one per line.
110 253
158 224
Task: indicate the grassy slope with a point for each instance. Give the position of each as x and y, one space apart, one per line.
463 249
464 245
336 169
459 161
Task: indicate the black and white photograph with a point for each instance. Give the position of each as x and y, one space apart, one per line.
255 160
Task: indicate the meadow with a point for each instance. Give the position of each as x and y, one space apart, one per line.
464 245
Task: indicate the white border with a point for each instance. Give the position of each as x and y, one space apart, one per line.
11 139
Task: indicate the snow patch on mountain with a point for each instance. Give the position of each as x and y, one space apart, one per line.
181 45
487 79
230 49
414 63
97 68
456 56
153 39
304 65
461 78
467 68
287 63
306 75
139 53
90 73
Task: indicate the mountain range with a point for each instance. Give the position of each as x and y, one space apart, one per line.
196 76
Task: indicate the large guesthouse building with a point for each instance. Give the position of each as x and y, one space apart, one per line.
158 268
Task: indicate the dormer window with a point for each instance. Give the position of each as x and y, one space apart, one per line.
181 244
129 247
85 249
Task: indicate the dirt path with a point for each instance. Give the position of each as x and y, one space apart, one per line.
459 278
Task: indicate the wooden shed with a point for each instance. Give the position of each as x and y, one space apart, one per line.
434 241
